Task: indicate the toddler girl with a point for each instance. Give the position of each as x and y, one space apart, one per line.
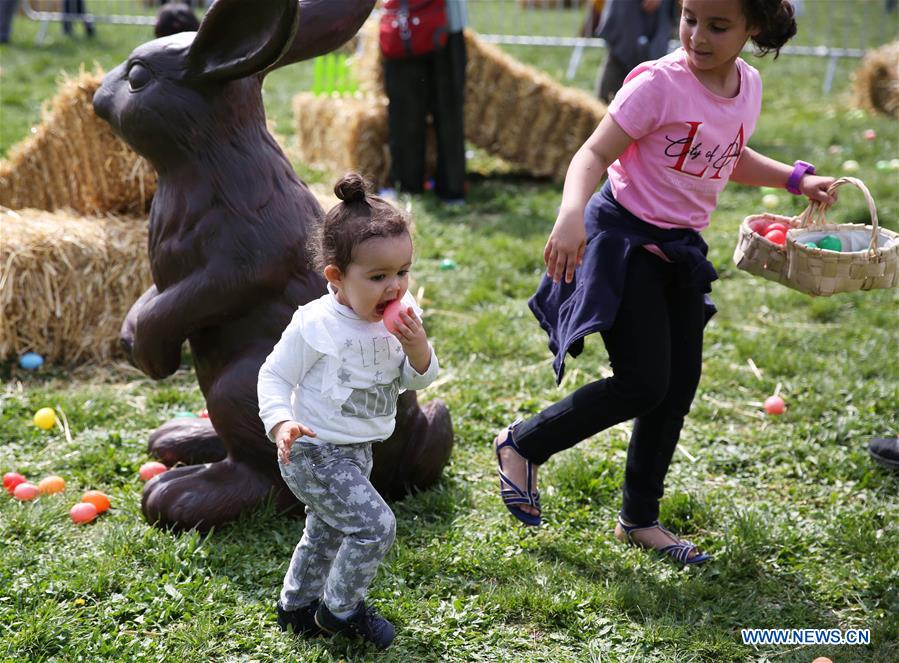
327 392
632 265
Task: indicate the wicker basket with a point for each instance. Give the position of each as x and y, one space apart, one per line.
872 263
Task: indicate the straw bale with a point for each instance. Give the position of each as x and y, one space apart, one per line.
512 111
73 160
877 80
67 282
341 133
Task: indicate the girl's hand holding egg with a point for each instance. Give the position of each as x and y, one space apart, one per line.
404 324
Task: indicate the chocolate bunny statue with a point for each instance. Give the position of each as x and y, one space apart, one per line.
227 235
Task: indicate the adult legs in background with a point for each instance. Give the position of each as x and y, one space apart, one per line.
75 8
7 12
448 108
407 87
611 78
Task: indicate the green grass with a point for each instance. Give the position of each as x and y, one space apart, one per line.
801 523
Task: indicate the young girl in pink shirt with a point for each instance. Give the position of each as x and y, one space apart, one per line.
629 262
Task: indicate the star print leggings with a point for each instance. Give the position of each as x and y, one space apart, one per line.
349 527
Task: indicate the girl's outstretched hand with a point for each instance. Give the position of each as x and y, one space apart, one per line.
815 188
565 247
285 434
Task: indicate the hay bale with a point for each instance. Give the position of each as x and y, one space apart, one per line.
512 111
73 160
67 282
877 81
343 133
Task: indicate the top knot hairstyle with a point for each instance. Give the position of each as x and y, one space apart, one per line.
776 23
358 217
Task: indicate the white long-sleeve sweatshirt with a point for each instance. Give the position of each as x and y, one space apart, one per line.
337 374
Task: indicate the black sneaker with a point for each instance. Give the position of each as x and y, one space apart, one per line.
885 451
302 619
364 623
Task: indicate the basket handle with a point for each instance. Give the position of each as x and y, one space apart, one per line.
815 213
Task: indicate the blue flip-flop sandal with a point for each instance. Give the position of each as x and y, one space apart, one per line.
679 552
511 493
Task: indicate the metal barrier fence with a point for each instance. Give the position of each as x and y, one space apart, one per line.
830 29
120 12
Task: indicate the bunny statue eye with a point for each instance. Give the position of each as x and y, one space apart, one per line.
138 76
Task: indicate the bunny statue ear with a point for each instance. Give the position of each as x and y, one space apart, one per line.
239 38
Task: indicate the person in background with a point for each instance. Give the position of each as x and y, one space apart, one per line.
430 84
635 31
174 18
74 8
7 12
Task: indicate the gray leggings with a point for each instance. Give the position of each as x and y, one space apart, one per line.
349 527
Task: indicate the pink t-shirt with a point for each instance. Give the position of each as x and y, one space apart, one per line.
687 141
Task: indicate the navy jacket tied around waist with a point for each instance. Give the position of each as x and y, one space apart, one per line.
570 311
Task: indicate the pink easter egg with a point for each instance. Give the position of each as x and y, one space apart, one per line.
151 469
775 405
25 491
83 512
392 314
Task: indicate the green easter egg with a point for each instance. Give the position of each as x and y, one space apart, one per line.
446 263
811 245
184 414
830 243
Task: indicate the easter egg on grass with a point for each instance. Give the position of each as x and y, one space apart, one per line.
51 485
83 512
770 200
850 166
45 418
11 480
776 236
149 470
25 491
392 314
98 499
775 405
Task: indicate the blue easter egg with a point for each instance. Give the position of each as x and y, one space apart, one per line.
811 245
31 361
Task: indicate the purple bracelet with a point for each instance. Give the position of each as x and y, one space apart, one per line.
800 168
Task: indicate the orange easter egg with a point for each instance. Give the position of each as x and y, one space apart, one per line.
83 512
98 499
51 485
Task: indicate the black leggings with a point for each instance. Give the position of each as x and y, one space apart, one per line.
655 349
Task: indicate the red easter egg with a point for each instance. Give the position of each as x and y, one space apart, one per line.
392 314
151 469
11 480
777 225
775 405
776 236
83 512
25 492
203 414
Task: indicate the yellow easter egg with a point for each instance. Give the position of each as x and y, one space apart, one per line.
45 418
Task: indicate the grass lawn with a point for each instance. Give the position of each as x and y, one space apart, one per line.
802 525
